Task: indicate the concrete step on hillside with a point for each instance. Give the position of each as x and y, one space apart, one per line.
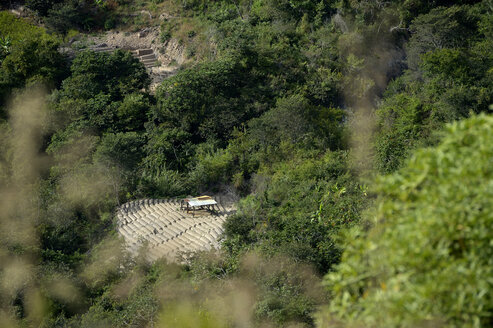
149 61
146 57
142 52
103 49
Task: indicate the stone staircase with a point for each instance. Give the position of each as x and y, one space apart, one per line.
168 231
146 56
102 48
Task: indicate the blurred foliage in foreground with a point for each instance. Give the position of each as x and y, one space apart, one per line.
428 258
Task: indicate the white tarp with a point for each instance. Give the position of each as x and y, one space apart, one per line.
196 202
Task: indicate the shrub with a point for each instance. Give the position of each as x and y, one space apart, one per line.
64 16
41 6
427 260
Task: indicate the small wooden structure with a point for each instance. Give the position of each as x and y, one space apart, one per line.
202 202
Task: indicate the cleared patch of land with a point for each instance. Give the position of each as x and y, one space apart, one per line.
167 231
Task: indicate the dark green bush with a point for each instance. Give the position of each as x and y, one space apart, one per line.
41 6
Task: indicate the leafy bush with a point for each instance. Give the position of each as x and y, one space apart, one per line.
207 100
165 183
295 120
103 92
447 80
66 15
18 29
298 208
428 259
118 73
79 14
167 149
27 55
212 167
41 6
32 61
441 28
133 111
123 150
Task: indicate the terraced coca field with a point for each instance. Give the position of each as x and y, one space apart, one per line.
167 231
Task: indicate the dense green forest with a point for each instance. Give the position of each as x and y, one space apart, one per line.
356 133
